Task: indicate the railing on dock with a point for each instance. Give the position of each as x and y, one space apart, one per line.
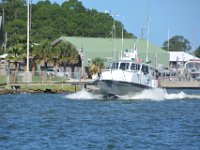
42 77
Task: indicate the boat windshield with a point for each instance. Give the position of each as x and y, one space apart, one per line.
135 66
124 66
114 65
193 67
145 69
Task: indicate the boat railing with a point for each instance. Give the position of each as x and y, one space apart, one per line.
40 77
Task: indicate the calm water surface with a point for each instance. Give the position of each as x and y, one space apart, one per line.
84 121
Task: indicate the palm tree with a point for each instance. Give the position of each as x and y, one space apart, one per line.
16 54
34 58
43 53
67 54
96 66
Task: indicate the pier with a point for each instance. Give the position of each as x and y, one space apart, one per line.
180 84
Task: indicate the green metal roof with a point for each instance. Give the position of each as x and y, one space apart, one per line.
103 48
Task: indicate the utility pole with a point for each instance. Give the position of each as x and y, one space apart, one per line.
168 41
122 46
114 39
3 24
28 26
114 36
5 44
3 13
28 75
30 11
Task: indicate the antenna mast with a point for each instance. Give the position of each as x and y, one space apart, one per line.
148 31
122 46
168 41
27 63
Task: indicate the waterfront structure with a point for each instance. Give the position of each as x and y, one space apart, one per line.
103 48
90 48
178 59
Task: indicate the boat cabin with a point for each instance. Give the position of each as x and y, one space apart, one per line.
132 66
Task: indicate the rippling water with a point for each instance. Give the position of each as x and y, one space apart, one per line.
150 120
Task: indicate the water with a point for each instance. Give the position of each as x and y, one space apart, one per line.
156 119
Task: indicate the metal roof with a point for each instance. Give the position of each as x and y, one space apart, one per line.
181 56
103 48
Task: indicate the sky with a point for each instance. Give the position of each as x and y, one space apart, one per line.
167 17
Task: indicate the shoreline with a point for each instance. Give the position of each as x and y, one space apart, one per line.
49 89
61 88
32 91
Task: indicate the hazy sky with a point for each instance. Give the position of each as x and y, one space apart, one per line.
179 17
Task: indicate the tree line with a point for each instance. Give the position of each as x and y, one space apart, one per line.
179 43
50 21
71 18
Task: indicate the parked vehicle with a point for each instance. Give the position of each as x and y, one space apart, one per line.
56 72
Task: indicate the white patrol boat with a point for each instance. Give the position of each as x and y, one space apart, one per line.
127 77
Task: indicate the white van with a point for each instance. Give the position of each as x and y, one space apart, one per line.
56 72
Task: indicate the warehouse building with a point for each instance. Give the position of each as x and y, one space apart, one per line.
107 48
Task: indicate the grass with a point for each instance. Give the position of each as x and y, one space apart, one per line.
42 83
60 87
35 79
2 79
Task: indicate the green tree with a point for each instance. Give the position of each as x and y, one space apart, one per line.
96 66
16 54
67 54
35 52
43 53
50 21
15 20
197 52
177 43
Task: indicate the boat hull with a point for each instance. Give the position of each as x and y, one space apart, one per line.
120 87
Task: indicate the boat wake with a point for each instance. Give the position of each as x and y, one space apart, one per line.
159 95
150 94
83 95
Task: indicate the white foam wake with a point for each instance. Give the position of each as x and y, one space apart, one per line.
83 94
150 94
181 95
159 95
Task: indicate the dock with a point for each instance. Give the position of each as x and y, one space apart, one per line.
180 84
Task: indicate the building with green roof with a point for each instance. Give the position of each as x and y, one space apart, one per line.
104 47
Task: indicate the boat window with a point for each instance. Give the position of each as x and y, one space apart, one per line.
114 66
124 66
145 70
135 67
138 67
127 66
